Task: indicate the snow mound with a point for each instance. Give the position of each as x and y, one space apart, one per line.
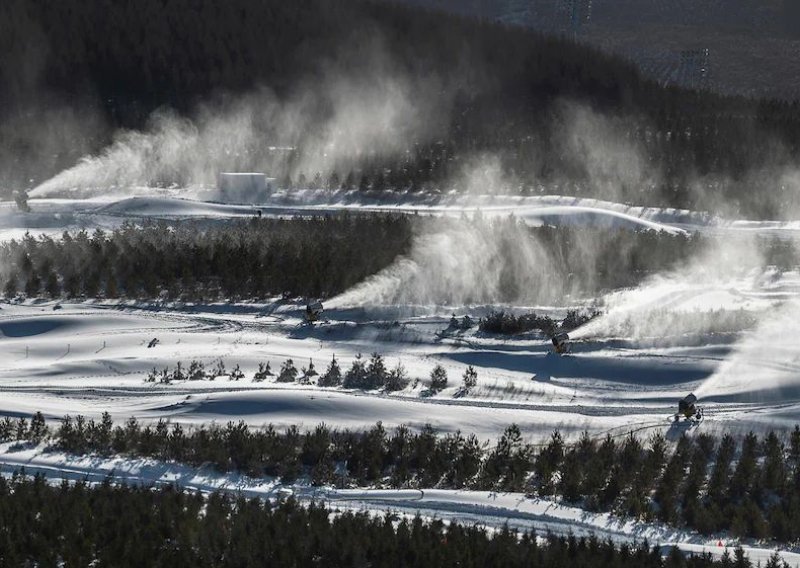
172 207
28 327
65 325
590 217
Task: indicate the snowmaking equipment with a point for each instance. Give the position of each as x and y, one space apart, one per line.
313 311
688 408
561 344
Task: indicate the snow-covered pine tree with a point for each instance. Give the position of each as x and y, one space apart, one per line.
236 374
332 376
262 373
288 372
397 379
376 372
197 371
438 378
470 377
356 375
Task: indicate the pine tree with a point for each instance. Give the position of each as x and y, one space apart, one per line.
219 370
773 470
376 372
356 375
196 371
263 372
103 434
332 376
22 429
38 428
470 378
309 372
178 374
6 429
33 285
548 462
10 289
333 182
438 379
236 374
51 285
288 373
397 379
152 375
112 290
745 473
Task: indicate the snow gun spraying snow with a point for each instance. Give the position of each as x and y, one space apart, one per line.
687 407
313 312
561 344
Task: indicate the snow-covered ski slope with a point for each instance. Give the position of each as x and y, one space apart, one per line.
628 369
54 215
90 357
487 509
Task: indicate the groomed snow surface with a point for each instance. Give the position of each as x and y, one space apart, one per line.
627 371
87 358
54 215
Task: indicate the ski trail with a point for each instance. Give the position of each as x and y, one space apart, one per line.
483 508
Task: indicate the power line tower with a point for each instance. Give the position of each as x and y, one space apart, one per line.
572 15
694 70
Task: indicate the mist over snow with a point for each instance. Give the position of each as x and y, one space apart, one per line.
333 121
725 276
418 207
468 262
599 150
765 365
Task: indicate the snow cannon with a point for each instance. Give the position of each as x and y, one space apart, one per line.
313 311
687 407
561 343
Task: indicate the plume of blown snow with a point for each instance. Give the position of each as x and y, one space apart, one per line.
764 365
709 282
362 105
465 263
599 148
170 150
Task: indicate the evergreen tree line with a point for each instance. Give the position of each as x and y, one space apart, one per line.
364 375
504 85
320 257
258 258
506 323
749 487
75 524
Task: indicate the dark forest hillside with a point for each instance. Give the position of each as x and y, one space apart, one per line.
107 525
75 71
